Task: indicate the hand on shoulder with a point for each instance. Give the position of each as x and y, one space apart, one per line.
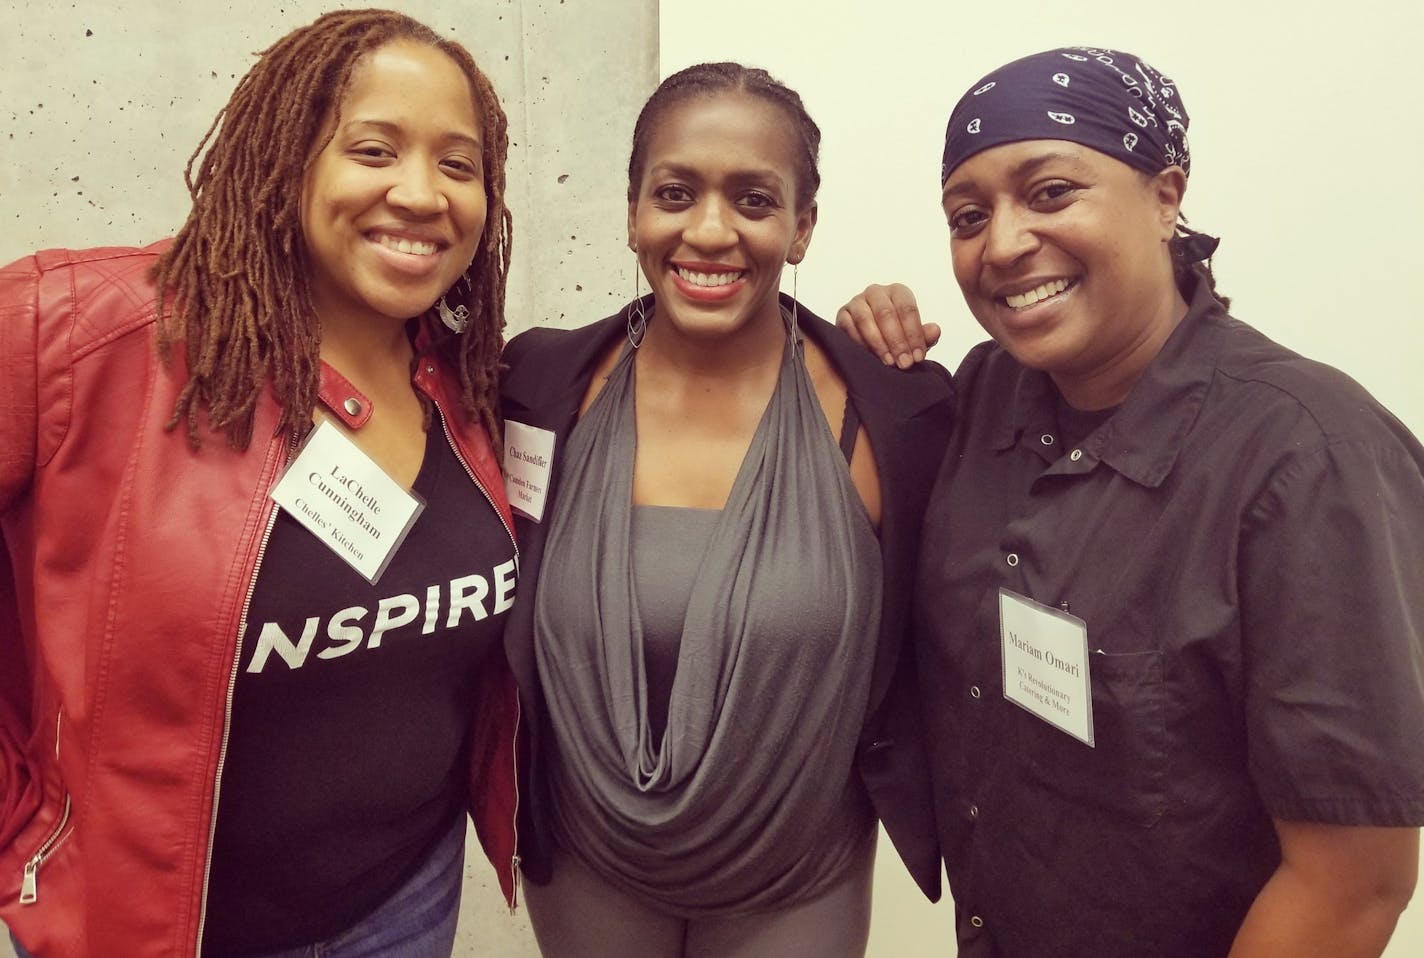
886 321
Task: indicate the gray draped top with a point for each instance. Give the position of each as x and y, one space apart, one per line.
744 799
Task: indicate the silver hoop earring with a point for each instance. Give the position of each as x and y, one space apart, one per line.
457 319
637 314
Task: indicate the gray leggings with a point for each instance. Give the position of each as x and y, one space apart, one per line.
579 915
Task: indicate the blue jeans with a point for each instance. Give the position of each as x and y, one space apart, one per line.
418 921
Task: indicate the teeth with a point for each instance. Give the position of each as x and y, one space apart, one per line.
1020 300
403 245
708 279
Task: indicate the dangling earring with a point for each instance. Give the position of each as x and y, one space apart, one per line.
795 275
457 319
637 312
791 323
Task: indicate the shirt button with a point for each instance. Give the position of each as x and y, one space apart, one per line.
1012 558
974 691
1075 455
973 811
1046 439
976 921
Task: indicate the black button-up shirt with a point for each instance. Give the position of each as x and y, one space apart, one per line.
1244 538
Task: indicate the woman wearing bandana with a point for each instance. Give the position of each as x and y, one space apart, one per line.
1169 623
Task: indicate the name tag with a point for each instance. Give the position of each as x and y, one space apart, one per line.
528 453
347 501
1045 656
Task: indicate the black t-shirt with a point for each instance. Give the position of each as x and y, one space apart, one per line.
1075 425
345 762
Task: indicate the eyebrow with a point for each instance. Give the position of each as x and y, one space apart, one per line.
1025 168
386 126
753 177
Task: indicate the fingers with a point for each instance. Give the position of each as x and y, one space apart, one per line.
886 321
854 316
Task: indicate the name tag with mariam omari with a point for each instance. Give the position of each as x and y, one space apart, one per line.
1045 656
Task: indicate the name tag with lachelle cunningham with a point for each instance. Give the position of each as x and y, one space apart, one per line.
528 452
347 501
1045 655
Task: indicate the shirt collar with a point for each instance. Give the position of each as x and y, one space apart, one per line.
1144 437
1031 409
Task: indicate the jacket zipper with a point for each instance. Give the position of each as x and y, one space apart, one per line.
227 708
29 886
445 427
514 762
29 883
518 716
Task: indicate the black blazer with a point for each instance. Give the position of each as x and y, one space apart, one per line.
907 415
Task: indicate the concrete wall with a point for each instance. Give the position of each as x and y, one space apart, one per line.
101 104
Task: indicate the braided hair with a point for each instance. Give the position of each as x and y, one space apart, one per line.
234 289
705 79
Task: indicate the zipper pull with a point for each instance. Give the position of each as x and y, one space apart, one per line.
29 887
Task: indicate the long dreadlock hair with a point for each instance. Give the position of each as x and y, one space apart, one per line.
234 287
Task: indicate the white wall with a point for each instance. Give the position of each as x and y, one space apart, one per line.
1306 152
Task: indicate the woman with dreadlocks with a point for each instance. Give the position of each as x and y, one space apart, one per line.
1168 619
239 715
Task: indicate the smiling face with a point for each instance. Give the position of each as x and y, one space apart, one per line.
1061 253
394 204
715 218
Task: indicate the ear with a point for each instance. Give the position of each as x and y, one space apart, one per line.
632 227
805 226
1168 188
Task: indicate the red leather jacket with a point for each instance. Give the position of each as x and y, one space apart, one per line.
128 564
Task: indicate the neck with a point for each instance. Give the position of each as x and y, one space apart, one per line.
1108 384
364 349
745 353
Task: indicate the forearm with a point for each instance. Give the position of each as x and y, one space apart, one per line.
1337 893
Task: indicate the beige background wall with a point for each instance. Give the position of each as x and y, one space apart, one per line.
1306 148
1306 159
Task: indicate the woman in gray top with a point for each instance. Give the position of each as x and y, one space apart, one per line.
701 606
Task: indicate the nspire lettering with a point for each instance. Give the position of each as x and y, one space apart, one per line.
443 606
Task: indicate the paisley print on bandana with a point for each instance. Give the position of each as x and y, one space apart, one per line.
1108 100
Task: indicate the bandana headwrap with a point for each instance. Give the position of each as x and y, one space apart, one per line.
1110 101
1107 100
